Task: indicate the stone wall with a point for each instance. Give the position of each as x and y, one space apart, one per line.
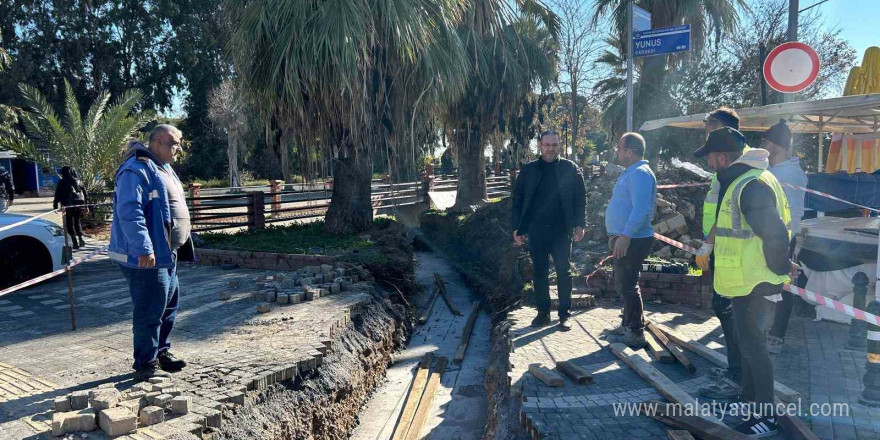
261 260
673 288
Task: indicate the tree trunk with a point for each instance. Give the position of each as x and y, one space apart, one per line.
351 210
471 189
232 155
575 119
286 139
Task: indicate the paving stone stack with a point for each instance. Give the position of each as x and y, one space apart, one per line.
305 284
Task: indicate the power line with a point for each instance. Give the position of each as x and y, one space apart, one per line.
812 6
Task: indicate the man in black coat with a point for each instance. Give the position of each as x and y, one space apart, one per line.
549 207
7 190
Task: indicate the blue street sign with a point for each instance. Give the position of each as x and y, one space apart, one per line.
662 41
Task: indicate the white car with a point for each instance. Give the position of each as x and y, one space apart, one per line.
29 250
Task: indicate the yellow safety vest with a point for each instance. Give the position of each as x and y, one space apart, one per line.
739 253
710 206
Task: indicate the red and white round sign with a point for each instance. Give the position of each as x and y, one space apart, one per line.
791 67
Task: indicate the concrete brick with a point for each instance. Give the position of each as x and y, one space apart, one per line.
155 380
143 386
283 298
152 415
61 404
79 400
117 421
134 405
264 308
181 404
134 395
103 398
335 288
65 422
326 268
163 387
161 400
270 296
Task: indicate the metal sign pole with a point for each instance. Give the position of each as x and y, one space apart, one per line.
629 66
792 34
69 273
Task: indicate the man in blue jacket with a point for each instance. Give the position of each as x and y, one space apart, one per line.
150 224
628 223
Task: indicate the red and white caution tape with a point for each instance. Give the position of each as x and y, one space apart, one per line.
64 208
806 294
829 196
27 220
682 185
53 274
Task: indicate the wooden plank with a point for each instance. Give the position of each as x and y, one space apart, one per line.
550 378
697 426
426 404
794 426
442 286
783 392
466 333
658 380
574 372
678 434
658 350
413 398
674 349
427 312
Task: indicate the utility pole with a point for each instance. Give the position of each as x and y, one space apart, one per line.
793 6
629 65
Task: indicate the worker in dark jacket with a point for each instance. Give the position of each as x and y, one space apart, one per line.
751 261
7 190
70 192
549 206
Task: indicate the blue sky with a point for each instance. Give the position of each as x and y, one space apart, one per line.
857 19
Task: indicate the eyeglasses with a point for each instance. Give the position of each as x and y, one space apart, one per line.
549 145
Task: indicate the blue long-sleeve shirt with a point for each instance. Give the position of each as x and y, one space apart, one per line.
631 208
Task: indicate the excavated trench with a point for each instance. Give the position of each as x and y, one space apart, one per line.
325 405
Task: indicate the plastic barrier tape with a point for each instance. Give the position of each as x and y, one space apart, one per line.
27 220
44 277
829 196
682 185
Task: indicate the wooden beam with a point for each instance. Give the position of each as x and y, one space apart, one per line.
413 398
675 350
442 286
658 380
698 426
427 402
550 378
574 372
466 333
784 393
427 312
658 350
794 426
678 434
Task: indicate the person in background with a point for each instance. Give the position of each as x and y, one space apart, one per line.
549 206
787 169
70 192
726 381
150 234
751 262
7 190
631 234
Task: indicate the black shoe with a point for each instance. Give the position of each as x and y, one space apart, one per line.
150 370
542 320
82 243
564 323
759 428
73 243
171 363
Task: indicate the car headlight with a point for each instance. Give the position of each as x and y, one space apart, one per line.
54 230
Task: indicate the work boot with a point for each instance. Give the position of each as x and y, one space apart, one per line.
169 362
82 242
564 323
774 344
150 370
620 330
759 427
634 340
73 243
542 320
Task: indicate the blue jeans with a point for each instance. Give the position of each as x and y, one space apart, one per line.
154 295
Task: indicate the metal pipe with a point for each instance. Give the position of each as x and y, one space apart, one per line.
629 65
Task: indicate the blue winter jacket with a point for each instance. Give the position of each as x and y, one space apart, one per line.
141 214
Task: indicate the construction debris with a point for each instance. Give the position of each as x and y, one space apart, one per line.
427 400
658 350
466 332
544 374
423 318
675 350
699 426
413 398
442 286
574 372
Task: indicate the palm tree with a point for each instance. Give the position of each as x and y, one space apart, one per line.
91 143
511 46
706 18
344 74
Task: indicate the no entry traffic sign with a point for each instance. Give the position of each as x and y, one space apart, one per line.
791 67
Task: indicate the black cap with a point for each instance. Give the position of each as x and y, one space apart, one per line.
722 140
779 134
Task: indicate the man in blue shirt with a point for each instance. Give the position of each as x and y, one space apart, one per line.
549 206
628 223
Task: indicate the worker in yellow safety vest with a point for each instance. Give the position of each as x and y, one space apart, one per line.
751 260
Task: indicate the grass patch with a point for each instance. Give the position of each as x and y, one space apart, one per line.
289 239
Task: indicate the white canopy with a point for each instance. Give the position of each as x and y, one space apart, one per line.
847 114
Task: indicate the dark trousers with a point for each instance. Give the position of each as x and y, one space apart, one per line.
73 222
723 308
749 315
782 311
626 280
543 243
154 297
